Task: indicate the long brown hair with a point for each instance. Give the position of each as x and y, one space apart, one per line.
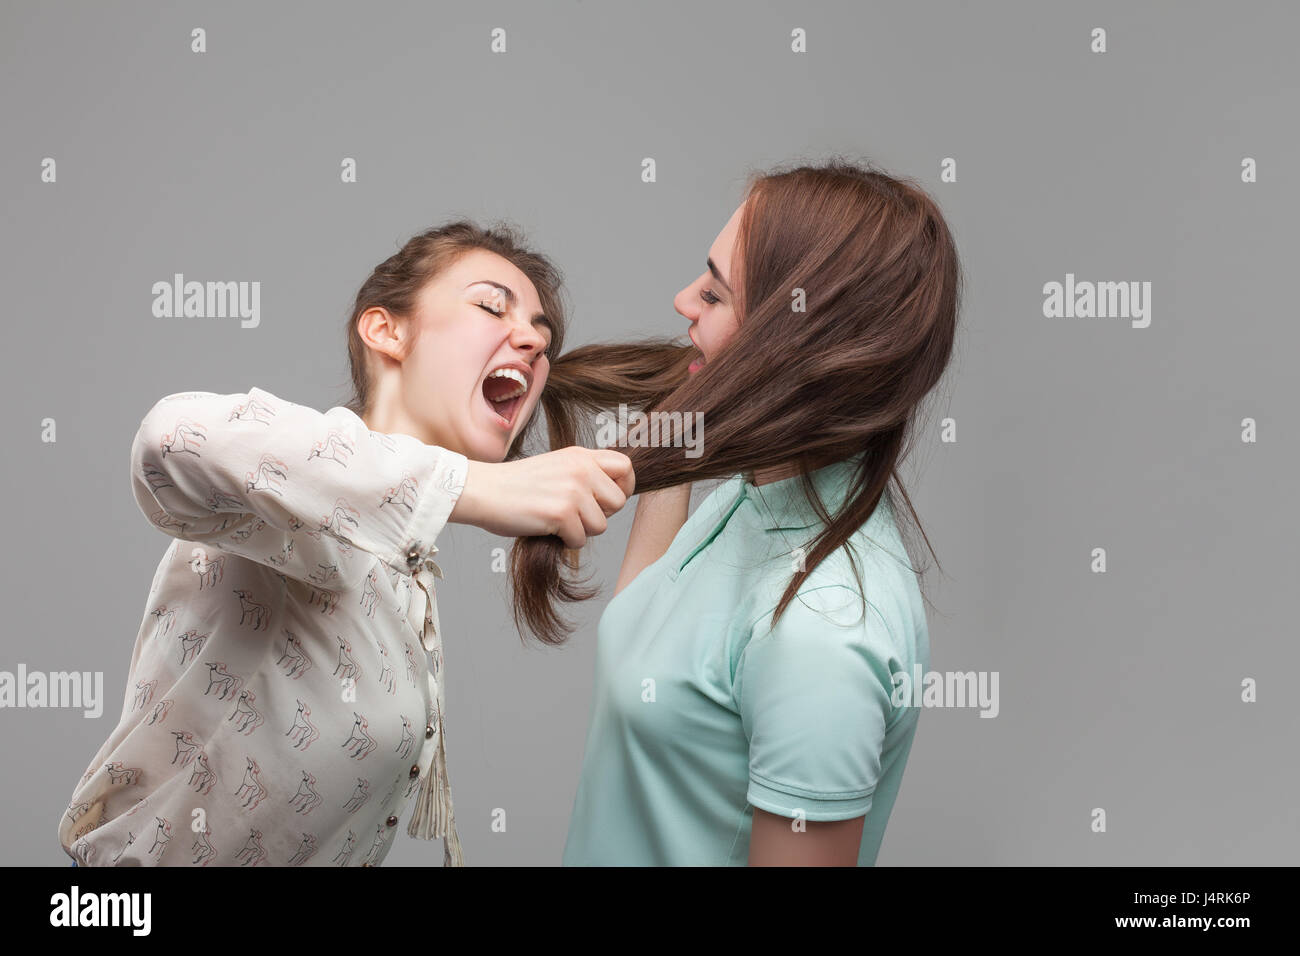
880 277
396 283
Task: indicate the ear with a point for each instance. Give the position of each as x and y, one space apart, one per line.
383 332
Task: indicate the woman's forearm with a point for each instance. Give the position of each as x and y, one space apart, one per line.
659 516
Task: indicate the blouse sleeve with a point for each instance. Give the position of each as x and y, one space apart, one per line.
288 486
814 699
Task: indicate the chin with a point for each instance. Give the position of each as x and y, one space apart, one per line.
488 448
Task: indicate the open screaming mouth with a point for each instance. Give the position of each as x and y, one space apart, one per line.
504 391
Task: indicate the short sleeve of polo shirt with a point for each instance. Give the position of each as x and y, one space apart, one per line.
814 699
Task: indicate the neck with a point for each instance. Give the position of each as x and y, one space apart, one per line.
391 418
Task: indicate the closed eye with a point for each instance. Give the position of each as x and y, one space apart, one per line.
708 296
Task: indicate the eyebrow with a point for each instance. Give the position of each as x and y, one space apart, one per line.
718 275
511 299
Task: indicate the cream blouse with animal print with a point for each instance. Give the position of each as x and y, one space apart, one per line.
280 707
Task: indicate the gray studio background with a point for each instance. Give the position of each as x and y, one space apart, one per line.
1118 690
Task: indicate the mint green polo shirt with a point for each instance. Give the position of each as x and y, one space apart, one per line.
702 711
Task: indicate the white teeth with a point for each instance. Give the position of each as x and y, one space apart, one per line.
514 375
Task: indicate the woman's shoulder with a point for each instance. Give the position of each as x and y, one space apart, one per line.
866 590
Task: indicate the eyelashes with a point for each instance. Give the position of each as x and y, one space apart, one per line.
708 296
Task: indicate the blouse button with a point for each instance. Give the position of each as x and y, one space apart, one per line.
428 732
415 771
413 557
392 821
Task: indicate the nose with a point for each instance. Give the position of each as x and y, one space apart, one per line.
526 337
687 302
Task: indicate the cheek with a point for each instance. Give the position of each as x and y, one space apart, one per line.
717 328
448 371
461 354
442 374
541 373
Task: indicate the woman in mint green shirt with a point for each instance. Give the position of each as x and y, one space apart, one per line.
704 716
744 706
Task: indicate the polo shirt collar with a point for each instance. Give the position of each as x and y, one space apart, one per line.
782 504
